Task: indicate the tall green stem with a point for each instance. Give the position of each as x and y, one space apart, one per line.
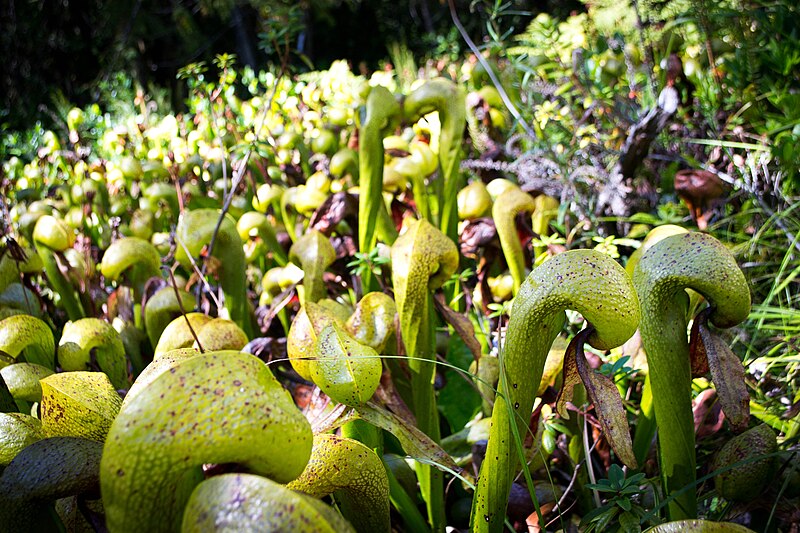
314 253
584 280
504 212
194 232
646 422
664 272
381 110
449 100
423 258
52 236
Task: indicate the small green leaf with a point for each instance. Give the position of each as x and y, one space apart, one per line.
346 370
628 521
616 476
624 503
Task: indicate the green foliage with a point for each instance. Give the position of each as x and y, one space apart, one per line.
622 511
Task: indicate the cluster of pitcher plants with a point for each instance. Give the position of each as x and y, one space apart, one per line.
299 312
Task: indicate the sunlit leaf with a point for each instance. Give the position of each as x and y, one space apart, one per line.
78 404
346 370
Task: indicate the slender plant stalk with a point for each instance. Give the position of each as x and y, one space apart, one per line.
448 99
423 258
585 280
664 272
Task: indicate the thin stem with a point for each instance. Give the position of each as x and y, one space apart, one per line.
174 285
492 76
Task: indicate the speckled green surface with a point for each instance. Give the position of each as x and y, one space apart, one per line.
17 430
372 321
586 281
43 472
19 332
22 380
353 471
347 371
301 343
219 407
746 481
220 334
245 503
78 404
82 338
177 333
699 262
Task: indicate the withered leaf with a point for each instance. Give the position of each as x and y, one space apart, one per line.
698 361
476 235
607 402
334 209
570 378
461 325
727 373
414 442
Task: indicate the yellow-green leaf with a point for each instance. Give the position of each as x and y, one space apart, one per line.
354 473
28 335
91 337
244 502
78 404
346 370
301 343
22 380
372 322
17 431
